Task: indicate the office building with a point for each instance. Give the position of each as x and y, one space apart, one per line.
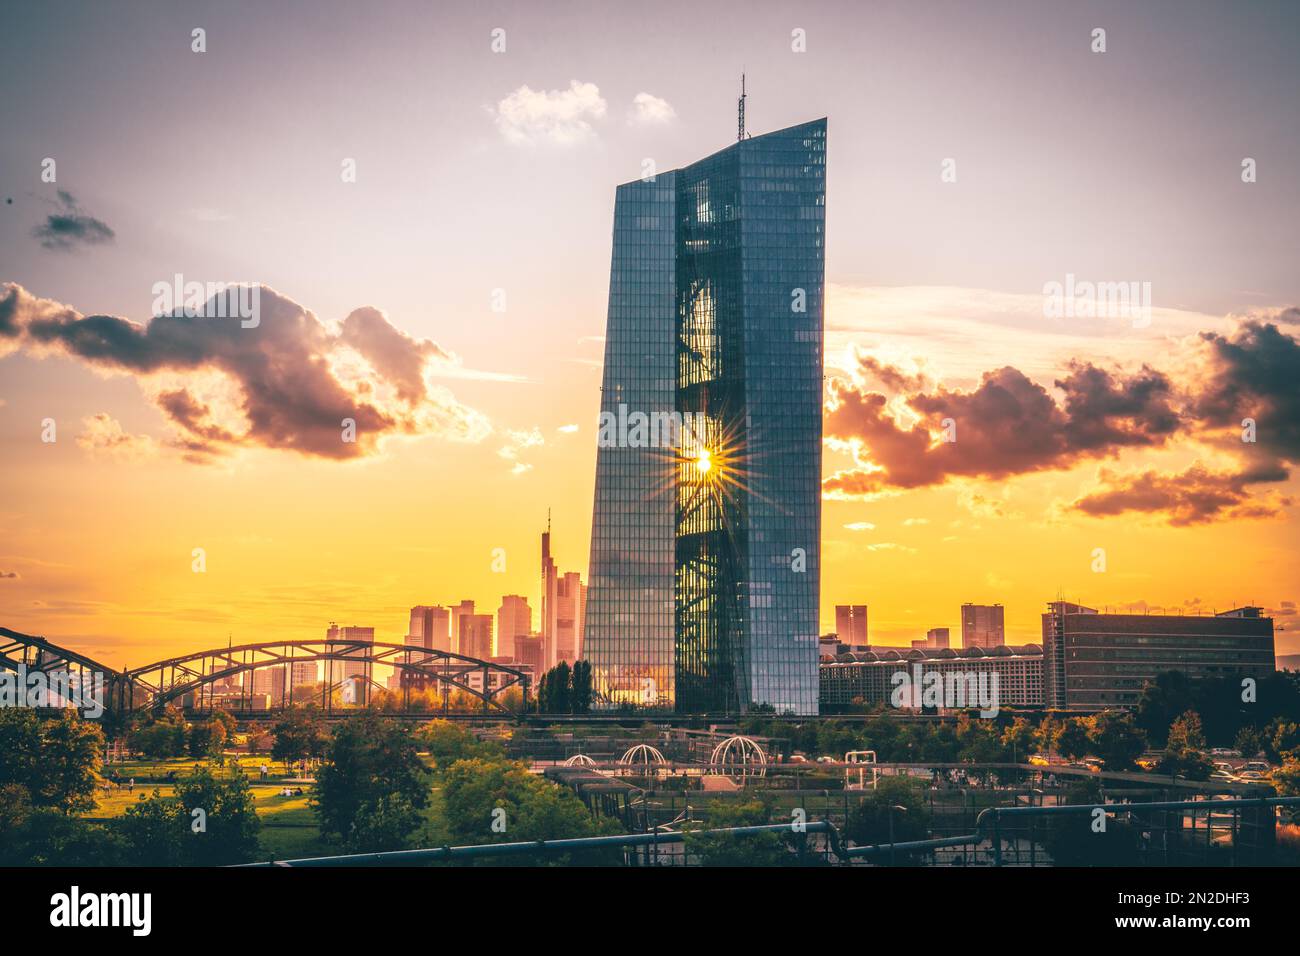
531 650
866 678
352 677
1094 661
458 612
851 624
271 682
705 570
476 636
514 619
569 605
430 628
982 625
938 638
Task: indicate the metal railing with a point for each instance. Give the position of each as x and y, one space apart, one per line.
989 827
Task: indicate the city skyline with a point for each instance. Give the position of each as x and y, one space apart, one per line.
1073 434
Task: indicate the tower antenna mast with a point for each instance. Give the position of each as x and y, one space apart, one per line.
740 125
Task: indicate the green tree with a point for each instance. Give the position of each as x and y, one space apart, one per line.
1282 740
1185 733
1116 738
55 759
759 849
1162 700
166 830
979 741
499 801
207 739
581 682
878 816
446 742
1072 741
42 836
555 690
1020 737
299 734
160 738
372 766
1248 742
1183 749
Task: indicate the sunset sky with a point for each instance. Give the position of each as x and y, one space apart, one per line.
485 178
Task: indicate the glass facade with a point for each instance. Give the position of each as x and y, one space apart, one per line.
705 565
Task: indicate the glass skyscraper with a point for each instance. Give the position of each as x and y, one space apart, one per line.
705 567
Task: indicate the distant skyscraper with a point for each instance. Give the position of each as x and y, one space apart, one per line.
270 681
550 585
531 650
476 636
430 627
570 603
357 674
458 612
982 625
851 624
306 673
938 637
705 571
514 619
564 601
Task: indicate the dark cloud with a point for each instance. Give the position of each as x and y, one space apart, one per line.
64 230
290 376
1255 374
1195 496
1104 413
391 352
1008 425
194 417
9 575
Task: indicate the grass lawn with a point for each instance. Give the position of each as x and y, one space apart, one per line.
289 829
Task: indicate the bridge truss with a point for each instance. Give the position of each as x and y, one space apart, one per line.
201 680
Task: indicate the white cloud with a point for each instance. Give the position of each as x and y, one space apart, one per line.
567 429
104 437
860 526
648 109
562 117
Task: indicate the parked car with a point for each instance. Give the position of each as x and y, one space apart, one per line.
1251 776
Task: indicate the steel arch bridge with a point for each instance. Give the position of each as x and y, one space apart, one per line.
35 655
198 676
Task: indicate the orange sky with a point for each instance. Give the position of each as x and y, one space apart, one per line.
100 535
481 171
